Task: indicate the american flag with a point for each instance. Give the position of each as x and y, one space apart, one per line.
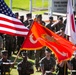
8 22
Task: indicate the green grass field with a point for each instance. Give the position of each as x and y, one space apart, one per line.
24 4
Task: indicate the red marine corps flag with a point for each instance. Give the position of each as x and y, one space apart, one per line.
8 22
62 48
31 43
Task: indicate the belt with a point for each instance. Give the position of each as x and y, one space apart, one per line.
48 72
73 70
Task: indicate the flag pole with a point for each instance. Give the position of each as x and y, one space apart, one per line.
11 4
65 67
16 57
50 7
30 9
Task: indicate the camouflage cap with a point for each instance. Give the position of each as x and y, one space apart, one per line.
47 50
29 15
4 52
24 53
50 18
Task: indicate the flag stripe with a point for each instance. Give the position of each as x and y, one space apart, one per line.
7 30
9 19
12 25
13 28
13 34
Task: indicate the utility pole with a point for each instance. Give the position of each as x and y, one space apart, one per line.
11 4
30 7
74 5
50 7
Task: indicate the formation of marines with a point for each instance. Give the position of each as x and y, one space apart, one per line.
45 61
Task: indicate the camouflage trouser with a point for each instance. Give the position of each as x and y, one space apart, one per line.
74 74
48 74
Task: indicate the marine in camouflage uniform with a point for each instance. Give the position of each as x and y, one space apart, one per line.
63 67
60 27
73 61
26 22
39 54
25 67
1 44
39 19
5 64
9 44
50 23
47 63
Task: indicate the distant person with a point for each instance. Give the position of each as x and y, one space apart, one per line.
25 67
9 44
22 19
1 44
47 64
28 19
20 41
58 16
50 23
74 12
39 54
73 61
63 67
5 64
17 15
39 19
65 21
60 27
19 38
28 22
